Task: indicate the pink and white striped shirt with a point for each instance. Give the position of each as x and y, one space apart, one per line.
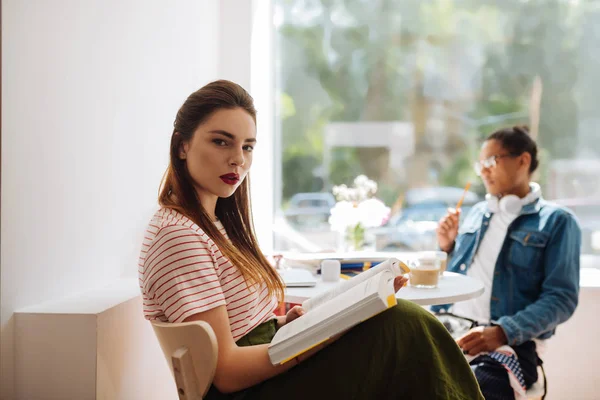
182 272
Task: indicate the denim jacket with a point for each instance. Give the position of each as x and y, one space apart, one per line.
536 277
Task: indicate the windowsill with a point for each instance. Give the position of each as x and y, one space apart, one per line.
93 301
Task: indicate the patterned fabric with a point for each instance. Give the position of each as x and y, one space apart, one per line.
492 378
182 272
512 365
507 372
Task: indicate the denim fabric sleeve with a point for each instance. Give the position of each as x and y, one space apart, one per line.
560 288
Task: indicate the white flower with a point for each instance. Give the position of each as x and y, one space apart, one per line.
360 180
343 215
371 187
372 213
343 193
364 188
356 205
362 193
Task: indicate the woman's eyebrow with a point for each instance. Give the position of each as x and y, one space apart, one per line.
230 135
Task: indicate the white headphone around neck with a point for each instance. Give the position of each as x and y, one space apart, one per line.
511 203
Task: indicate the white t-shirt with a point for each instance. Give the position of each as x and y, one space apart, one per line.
182 272
483 267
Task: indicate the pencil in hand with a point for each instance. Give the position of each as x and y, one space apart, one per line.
462 198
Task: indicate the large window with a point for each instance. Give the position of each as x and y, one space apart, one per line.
404 92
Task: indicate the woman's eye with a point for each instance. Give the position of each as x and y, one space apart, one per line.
219 142
248 148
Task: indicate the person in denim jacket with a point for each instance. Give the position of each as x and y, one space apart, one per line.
525 250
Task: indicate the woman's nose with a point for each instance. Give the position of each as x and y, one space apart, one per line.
237 158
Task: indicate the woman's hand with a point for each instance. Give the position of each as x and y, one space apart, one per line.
295 312
400 282
292 314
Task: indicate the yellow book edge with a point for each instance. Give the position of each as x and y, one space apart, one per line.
404 267
303 351
391 300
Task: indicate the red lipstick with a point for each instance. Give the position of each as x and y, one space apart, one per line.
230 179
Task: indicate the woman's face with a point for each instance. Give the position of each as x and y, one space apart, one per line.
510 172
219 154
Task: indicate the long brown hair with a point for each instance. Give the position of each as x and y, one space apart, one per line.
177 190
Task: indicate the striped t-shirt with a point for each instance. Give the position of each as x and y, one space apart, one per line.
182 272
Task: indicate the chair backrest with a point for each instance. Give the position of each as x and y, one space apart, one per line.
191 352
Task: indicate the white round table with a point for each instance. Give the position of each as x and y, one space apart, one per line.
452 288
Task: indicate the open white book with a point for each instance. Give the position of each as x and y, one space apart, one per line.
337 310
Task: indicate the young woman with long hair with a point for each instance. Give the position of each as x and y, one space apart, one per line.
201 261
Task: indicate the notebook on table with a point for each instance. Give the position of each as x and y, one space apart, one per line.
298 277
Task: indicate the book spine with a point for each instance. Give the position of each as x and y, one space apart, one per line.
358 266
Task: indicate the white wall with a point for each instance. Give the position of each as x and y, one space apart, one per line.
89 92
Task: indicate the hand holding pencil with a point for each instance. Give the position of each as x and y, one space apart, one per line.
447 229
462 198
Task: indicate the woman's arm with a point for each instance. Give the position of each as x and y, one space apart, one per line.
237 367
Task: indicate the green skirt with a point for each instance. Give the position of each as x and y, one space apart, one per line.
402 353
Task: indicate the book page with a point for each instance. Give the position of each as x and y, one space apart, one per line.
391 264
346 300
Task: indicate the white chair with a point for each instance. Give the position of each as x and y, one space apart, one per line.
191 352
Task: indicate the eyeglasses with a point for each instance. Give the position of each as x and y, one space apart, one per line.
489 162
